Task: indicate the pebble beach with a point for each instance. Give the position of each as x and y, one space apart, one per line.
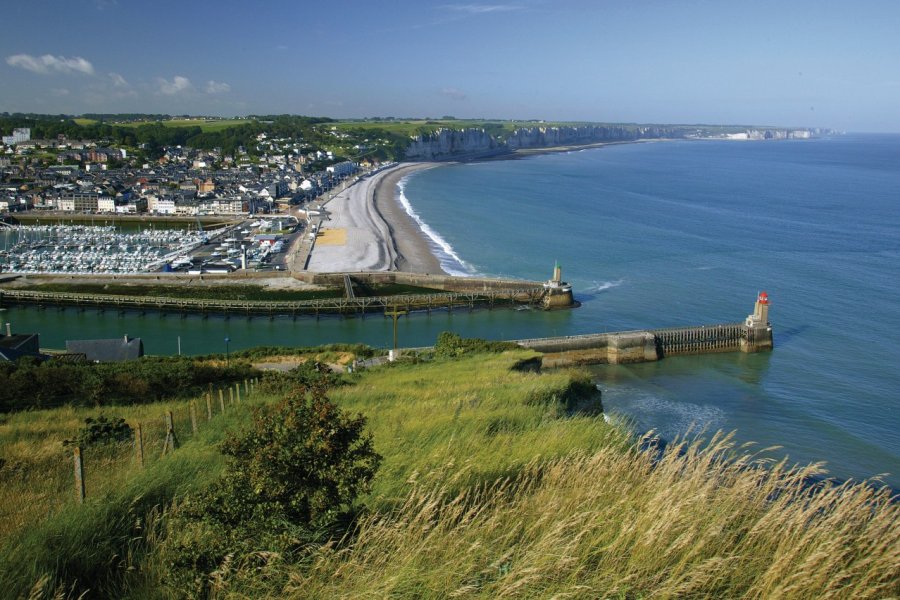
367 229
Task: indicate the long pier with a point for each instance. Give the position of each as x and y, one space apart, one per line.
754 334
350 304
647 345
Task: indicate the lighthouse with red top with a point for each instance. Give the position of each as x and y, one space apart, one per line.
757 329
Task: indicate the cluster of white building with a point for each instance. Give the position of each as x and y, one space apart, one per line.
22 134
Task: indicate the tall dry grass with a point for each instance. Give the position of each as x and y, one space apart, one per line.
37 474
699 522
477 410
99 546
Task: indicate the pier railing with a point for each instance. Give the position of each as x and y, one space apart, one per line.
704 339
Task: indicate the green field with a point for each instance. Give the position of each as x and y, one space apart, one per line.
204 124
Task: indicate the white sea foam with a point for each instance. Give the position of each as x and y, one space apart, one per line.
450 261
603 286
667 416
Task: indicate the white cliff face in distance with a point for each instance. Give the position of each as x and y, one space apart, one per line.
448 143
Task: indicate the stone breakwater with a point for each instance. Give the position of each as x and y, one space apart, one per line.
651 345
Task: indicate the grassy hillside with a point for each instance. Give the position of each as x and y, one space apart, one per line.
37 471
204 124
50 541
495 481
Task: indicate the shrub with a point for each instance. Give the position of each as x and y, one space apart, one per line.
451 345
29 384
305 456
260 352
101 431
292 478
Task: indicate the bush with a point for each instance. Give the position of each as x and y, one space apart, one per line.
292 478
305 456
101 431
260 352
30 384
451 345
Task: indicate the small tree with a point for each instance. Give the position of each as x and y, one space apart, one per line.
305 456
292 474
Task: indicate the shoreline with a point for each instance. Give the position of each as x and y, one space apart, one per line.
414 253
413 249
365 228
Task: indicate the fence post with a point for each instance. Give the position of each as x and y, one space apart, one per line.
171 440
79 475
237 392
222 400
209 406
246 388
193 416
231 396
139 444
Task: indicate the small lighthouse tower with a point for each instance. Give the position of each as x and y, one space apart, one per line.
758 330
557 293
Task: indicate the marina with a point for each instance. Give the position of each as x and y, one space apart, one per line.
82 249
107 249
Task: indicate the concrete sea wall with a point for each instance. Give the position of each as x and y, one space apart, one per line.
651 345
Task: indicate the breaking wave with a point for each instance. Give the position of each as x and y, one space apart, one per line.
450 261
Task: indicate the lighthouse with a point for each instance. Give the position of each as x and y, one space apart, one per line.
757 329
557 293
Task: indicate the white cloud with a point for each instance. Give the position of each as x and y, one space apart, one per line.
48 64
479 9
214 87
453 93
178 85
118 81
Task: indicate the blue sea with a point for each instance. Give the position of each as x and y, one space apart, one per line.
687 233
655 235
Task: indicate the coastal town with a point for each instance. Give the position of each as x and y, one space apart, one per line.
90 177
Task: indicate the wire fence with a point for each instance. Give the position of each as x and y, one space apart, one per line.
65 475
153 439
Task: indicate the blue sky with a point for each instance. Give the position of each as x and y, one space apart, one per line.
790 63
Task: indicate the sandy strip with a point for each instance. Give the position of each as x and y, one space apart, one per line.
380 235
414 254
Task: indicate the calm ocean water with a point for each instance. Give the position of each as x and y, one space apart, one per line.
655 235
682 233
